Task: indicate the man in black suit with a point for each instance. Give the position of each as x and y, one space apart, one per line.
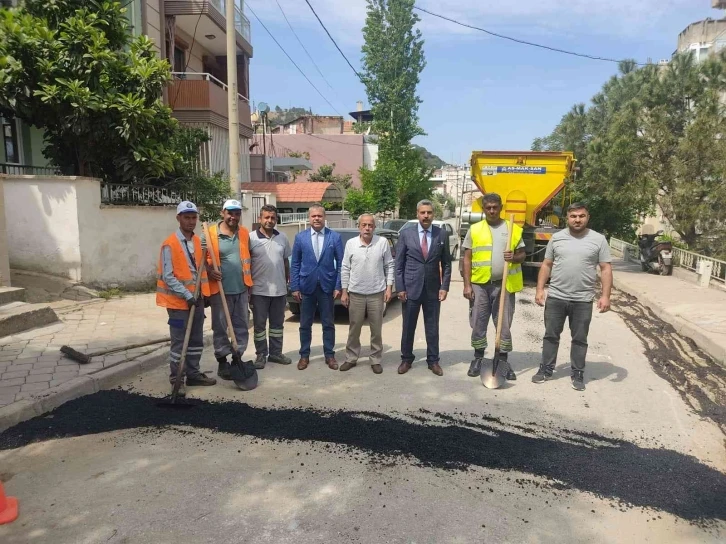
423 274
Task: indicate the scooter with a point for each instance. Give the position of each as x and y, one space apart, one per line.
655 255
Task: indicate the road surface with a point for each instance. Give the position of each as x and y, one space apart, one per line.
323 456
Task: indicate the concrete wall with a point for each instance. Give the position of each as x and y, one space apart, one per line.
153 22
58 226
4 260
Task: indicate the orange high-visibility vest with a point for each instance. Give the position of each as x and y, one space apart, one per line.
165 297
244 254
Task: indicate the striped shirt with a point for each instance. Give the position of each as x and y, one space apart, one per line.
367 269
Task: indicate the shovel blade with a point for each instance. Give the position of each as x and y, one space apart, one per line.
491 375
244 374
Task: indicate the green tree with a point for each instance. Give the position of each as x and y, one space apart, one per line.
70 68
325 174
393 60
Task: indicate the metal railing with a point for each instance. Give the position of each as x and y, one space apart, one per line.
141 195
204 76
681 258
287 218
28 170
241 22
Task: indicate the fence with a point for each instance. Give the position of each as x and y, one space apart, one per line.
140 195
28 170
681 258
287 218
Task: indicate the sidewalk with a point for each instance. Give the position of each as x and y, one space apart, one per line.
35 377
695 312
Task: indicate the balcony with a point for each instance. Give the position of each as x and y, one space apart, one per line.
211 23
201 98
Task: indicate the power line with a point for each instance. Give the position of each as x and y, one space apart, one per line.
517 40
332 40
291 60
303 46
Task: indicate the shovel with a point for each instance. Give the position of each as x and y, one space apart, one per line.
244 373
182 360
492 377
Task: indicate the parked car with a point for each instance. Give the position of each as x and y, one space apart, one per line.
345 235
454 241
395 224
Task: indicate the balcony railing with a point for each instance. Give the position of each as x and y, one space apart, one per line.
241 22
28 170
203 76
190 92
287 218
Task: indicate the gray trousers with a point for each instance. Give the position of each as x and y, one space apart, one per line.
177 330
270 309
239 312
358 306
484 307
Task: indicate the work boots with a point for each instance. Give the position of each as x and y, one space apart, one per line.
279 359
475 368
511 376
200 379
260 361
578 380
223 370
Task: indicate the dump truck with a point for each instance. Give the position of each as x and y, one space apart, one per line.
533 187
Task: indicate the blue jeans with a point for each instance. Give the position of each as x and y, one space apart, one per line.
323 302
579 314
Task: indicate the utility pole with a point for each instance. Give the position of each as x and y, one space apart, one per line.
232 110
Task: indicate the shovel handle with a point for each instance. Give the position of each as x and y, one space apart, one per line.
215 265
503 292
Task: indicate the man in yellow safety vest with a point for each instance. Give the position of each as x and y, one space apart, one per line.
485 256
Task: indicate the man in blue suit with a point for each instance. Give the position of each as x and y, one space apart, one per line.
317 257
423 274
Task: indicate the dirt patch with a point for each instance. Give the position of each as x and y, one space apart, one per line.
699 380
613 469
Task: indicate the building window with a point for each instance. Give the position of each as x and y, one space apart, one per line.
10 140
180 62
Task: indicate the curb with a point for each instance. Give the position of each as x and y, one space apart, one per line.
105 378
711 347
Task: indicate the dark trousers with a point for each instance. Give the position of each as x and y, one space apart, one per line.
323 302
431 311
177 330
266 308
579 315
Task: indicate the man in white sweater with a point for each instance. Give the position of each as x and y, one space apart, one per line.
367 276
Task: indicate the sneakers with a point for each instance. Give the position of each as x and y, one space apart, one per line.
260 362
279 359
578 381
200 379
223 368
541 376
475 368
511 376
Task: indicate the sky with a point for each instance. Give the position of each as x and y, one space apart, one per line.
478 92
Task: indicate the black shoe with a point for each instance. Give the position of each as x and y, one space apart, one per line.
279 359
511 376
260 362
541 376
578 380
475 368
223 368
200 379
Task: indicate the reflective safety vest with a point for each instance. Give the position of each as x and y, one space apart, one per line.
244 254
167 298
481 256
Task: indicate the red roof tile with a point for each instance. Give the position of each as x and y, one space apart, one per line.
291 192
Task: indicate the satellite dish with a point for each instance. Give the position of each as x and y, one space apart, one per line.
263 107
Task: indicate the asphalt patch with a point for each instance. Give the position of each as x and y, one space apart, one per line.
699 380
609 468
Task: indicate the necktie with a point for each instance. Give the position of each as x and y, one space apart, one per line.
317 246
425 245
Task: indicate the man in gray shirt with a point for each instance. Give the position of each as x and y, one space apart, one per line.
367 277
571 260
269 251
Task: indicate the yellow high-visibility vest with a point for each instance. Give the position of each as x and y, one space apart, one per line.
481 256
